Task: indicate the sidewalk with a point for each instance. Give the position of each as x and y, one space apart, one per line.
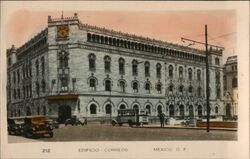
184 127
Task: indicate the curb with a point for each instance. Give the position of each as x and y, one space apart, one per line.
194 128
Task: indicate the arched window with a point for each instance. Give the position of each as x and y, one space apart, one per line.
92 109
122 86
180 72
107 64
217 61
199 91
135 86
191 111
216 110
107 85
147 87
181 89
43 86
63 59
190 74
199 75
158 87
190 89
147 69
28 111
43 65
44 110
121 66
122 106
92 84
159 109
170 71
37 88
158 70
171 110
217 77
171 88
37 67
234 82
38 110
218 92
92 59
148 107
108 109
134 68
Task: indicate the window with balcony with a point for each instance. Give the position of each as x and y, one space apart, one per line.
121 66
92 84
64 84
147 87
107 64
180 72
170 71
158 87
158 70
134 68
135 86
199 75
147 69
190 74
122 86
92 59
107 85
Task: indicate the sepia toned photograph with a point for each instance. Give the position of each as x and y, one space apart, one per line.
84 75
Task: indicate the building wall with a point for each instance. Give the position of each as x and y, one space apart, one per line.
78 48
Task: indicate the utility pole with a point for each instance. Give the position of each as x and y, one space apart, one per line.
192 42
207 80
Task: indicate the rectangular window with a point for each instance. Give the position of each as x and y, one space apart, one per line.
134 70
121 69
64 84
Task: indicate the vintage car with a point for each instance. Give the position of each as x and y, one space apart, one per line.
52 123
15 125
75 121
37 126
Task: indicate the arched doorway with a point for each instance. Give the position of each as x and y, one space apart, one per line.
171 110
28 111
182 114
191 111
228 110
159 109
64 113
92 109
122 106
148 107
108 109
200 111
136 107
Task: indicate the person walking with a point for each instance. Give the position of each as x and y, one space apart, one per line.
162 119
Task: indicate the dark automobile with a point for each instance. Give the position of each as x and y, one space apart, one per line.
37 126
15 125
75 121
52 123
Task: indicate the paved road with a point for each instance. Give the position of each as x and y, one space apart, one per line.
125 133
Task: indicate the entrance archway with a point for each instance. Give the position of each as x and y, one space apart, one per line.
228 110
182 114
28 111
64 113
191 111
200 111
171 110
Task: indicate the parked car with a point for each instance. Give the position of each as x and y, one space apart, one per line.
36 126
52 123
15 125
75 121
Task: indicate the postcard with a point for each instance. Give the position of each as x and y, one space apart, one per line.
124 79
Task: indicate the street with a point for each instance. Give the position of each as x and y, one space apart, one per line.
126 133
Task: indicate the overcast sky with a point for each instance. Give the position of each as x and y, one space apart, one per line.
168 26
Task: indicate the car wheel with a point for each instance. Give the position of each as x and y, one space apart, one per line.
120 124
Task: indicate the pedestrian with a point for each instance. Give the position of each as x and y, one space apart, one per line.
162 119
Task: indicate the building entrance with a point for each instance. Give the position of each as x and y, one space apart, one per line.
64 113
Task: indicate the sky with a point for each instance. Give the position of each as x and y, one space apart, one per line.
168 26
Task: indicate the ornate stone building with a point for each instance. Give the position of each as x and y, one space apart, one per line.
230 78
74 68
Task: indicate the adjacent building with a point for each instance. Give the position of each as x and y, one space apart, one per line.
231 87
71 68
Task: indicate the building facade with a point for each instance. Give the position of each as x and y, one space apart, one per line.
231 87
71 68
